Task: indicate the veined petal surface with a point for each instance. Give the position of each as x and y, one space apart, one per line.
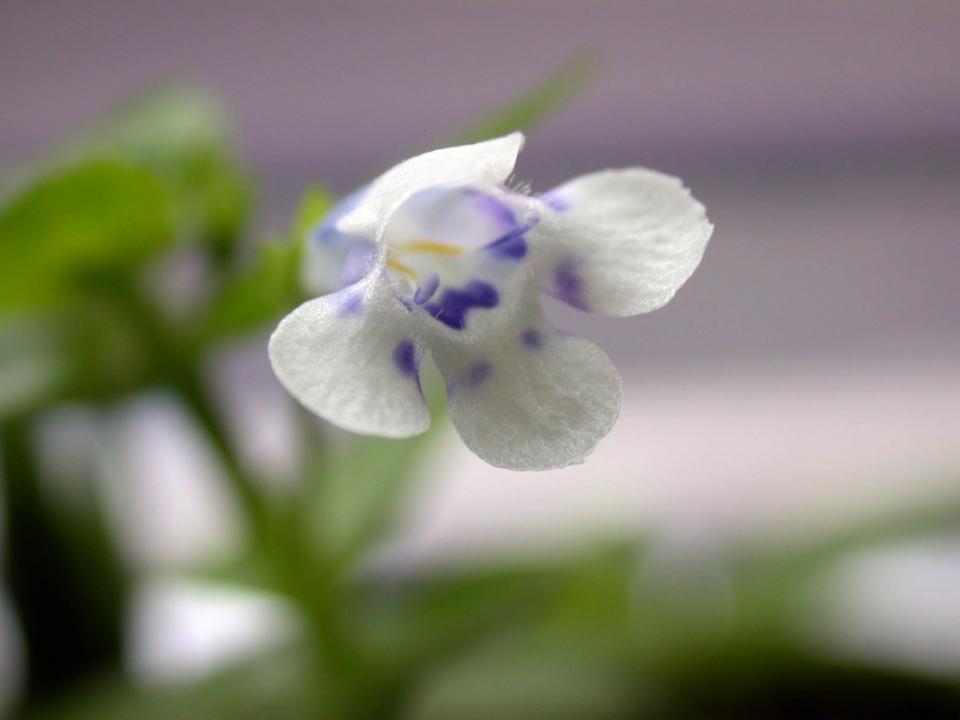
529 398
621 242
350 357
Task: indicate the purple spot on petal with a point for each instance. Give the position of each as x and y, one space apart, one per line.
427 289
493 207
555 202
358 263
326 232
405 357
568 284
479 373
454 303
349 302
532 339
511 246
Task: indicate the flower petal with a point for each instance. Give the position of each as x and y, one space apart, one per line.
349 357
487 163
334 259
620 242
534 400
458 216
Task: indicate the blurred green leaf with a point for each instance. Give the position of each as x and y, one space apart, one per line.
362 491
314 205
87 349
544 679
275 685
257 296
179 133
32 366
529 109
271 286
542 642
77 227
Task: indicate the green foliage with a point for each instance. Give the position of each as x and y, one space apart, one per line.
258 295
315 203
531 107
179 134
32 366
362 488
271 286
79 227
602 633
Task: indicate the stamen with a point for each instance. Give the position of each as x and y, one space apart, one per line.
403 270
430 246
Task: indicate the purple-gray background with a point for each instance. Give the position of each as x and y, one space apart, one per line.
824 138
807 374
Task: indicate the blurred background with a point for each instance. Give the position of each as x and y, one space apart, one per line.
771 530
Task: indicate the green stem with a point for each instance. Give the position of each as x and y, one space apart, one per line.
303 573
249 496
177 364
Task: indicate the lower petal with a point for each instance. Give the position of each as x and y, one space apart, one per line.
538 399
349 358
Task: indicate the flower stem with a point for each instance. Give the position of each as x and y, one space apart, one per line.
248 495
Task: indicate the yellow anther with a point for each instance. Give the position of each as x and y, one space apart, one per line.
403 270
430 246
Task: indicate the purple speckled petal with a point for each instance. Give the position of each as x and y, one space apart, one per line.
512 246
351 368
640 233
459 216
533 399
568 282
360 260
331 259
405 357
455 303
555 201
494 207
532 339
427 288
484 164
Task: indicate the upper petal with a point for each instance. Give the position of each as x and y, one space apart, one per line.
620 242
483 164
529 397
350 358
459 216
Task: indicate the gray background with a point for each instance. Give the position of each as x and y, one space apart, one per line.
823 137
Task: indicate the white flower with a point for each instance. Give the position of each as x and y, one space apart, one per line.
439 256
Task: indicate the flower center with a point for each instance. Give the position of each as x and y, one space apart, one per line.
398 257
448 249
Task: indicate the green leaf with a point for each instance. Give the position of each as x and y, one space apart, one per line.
360 489
530 108
257 296
524 680
315 203
32 367
77 226
180 134
276 684
271 286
